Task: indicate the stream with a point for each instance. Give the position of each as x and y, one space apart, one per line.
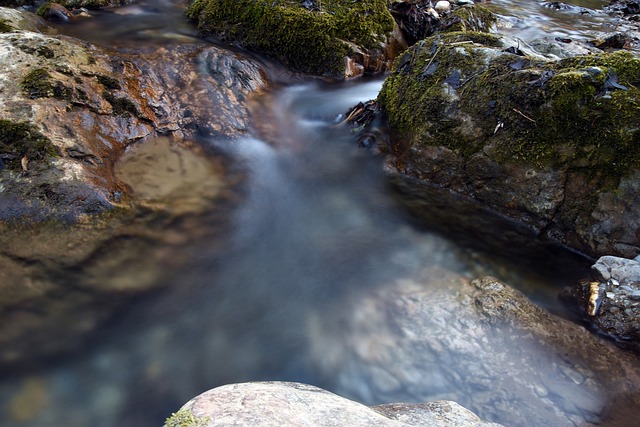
317 222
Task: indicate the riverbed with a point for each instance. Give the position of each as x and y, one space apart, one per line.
315 221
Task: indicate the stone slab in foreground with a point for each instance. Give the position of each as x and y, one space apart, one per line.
295 404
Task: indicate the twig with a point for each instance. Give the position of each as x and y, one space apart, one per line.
524 115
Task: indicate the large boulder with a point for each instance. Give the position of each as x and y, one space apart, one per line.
551 144
481 344
281 403
70 109
85 213
331 38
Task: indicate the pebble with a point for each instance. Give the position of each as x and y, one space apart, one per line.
443 6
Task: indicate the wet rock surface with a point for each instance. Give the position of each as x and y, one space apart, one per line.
611 300
70 111
481 344
88 106
484 117
281 403
420 19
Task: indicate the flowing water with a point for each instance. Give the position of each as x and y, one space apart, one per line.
316 222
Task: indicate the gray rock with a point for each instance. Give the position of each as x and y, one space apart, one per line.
611 302
481 116
481 344
295 404
441 413
624 271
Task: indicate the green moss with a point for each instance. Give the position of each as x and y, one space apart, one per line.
184 418
581 112
5 27
470 18
108 82
19 139
44 51
38 84
121 106
309 41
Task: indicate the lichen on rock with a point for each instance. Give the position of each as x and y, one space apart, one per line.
311 40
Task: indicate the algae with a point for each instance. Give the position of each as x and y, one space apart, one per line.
581 112
311 41
470 18
20 139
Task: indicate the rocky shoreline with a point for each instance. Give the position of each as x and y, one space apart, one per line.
543 135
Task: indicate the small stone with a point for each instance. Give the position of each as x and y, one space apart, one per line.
443 6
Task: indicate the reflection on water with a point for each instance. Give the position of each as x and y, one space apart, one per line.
317 230
144 23
573 19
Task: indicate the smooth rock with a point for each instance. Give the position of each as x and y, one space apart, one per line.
442 6
481 344
295 404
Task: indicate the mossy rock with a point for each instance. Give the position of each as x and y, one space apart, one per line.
20 139
6 27
39 84
470 18
465 91
312 41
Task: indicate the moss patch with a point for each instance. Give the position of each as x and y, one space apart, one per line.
120 105
5 27
39 84
108 82
312 41
580 112
184 418
470 18
19 139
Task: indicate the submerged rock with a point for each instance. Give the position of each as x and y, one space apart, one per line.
481 344
282 403
551 144
330 39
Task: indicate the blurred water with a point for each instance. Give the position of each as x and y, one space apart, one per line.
317 224
572 19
